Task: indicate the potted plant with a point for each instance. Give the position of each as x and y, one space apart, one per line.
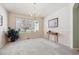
12 34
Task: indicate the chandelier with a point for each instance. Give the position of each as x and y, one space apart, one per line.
33 13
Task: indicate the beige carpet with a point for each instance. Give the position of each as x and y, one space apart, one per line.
38 46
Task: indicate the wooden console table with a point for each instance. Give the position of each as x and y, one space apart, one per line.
53 33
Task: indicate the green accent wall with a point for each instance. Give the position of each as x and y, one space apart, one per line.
76 26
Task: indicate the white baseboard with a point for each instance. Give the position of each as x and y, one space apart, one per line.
75 48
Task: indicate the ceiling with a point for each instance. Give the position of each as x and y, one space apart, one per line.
41 9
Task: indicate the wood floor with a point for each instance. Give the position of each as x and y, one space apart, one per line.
38 46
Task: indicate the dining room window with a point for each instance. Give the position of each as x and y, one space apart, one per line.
27 25
36 26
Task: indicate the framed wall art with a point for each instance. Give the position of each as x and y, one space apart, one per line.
53 23
1 20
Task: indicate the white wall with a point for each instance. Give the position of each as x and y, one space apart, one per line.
64 25
3 28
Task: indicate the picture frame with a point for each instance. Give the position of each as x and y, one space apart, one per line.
1 20
53 23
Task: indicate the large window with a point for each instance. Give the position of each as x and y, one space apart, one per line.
36 25
27 25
